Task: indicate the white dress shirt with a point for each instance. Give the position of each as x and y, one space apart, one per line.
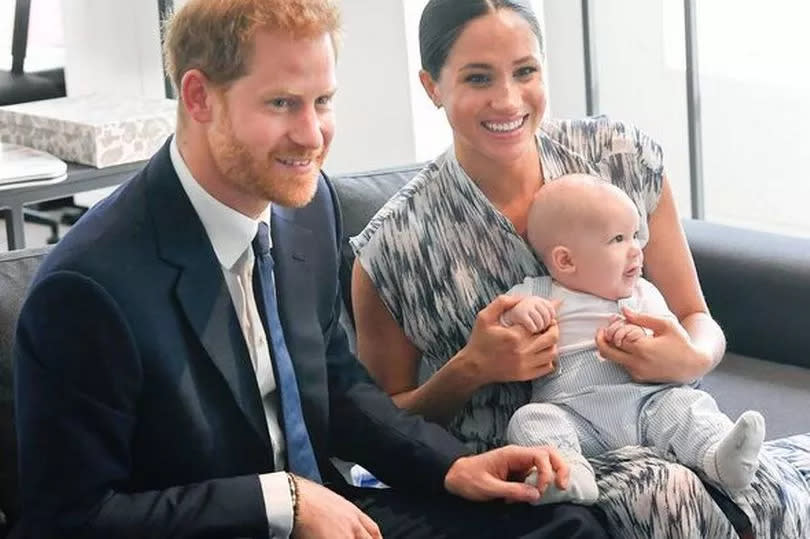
231 234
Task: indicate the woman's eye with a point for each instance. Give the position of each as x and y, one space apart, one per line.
477 78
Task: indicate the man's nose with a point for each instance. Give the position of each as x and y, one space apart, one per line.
306 131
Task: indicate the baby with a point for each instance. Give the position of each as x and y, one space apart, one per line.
586 232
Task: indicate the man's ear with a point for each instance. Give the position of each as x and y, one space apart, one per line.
197 96
562 259
430 86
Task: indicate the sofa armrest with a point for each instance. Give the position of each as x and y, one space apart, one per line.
757 286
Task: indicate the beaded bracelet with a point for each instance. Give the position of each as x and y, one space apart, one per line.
291 481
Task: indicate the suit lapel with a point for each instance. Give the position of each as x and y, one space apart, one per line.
297 302
201 291
207 304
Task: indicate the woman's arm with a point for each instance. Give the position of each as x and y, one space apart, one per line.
493 354
679 353
670 266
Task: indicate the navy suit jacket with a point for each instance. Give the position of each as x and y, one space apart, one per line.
137 408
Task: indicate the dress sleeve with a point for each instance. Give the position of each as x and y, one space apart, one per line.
618 151
532 286
384 250
636 163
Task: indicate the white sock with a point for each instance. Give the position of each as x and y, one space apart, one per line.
581 488
733 460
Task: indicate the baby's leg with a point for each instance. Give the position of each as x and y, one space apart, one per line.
546 424
687 423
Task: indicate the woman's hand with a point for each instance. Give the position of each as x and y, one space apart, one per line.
666 356
533 313
508 354
620 330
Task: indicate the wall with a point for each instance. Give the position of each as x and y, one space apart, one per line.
373 102
112 46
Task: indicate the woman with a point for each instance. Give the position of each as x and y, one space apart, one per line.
434 262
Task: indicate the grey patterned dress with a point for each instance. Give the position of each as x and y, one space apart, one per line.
439 251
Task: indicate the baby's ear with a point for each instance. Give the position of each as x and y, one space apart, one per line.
562 260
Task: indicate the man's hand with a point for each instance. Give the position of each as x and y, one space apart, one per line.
322 513
532 312
499 474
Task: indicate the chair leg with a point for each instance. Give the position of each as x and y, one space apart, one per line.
33 216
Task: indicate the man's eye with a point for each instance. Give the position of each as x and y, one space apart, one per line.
324 100
280 102
525 72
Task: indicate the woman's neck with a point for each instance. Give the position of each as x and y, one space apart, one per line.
510 187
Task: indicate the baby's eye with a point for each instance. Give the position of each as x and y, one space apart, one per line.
618 238
635 235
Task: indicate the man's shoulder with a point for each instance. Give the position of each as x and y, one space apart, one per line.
110 233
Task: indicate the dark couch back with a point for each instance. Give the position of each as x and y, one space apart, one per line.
16 270
757 286
360 196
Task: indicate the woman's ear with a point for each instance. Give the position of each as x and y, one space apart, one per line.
562 259
430 86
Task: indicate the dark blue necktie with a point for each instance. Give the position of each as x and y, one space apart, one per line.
300 456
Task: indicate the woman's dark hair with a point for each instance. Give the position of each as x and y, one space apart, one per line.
443 20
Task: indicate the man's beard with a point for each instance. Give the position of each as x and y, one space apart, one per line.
254 176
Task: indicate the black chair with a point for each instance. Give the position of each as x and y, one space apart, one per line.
17 86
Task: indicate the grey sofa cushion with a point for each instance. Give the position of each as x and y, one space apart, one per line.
16 270
360 196
780 392
757 286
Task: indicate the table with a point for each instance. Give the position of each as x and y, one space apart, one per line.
80 178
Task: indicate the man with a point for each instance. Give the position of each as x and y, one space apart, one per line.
155 388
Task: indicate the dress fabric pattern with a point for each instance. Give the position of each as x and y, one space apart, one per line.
439 251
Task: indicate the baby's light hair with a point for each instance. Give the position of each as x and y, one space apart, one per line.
568 205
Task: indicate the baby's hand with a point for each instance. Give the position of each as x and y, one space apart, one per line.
533 313
620 331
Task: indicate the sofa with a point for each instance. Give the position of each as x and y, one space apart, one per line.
756 284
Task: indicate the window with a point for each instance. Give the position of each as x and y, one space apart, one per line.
754 106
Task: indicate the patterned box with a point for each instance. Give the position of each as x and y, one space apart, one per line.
97 130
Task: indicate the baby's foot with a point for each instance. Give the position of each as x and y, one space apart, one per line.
733 461
581 489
